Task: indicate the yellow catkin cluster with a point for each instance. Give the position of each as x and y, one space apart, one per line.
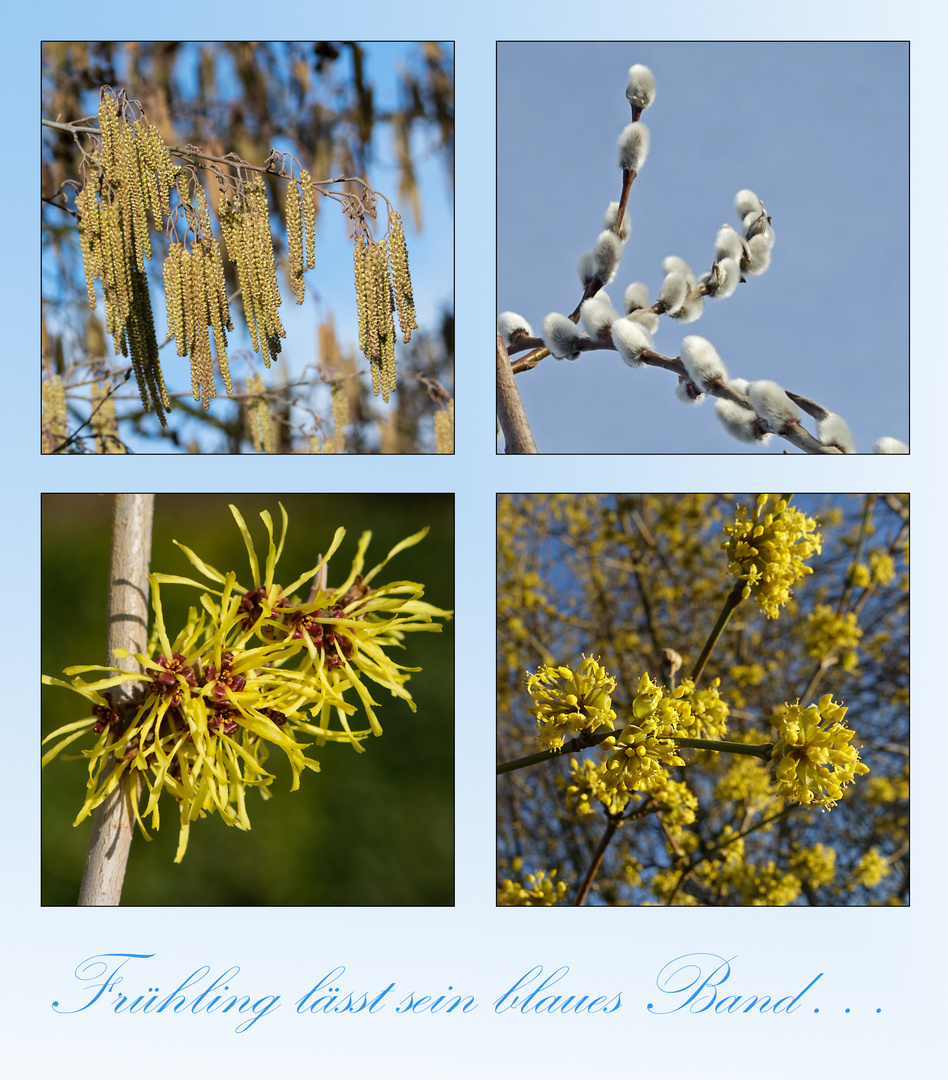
55 420
196 303
246 228
376 305
136 174
444 429
259 420
300 221
398 261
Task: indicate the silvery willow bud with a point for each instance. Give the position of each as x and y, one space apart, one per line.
511 326
597 314
758 255
833 430
645 317
609 221
641 88
888 445
608 253
586 267
746 202
702 362
677 265
560 336
739 422
772 404
729 244
631 339
633 147
724 278
673 293
690 310
636 296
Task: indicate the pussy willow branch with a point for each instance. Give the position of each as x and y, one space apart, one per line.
113 821
793 433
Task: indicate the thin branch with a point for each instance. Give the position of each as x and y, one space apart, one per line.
113 820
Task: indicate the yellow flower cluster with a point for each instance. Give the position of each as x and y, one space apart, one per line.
536 890
568 702
646 746
813 756
256 669
708 711
585 784
872 868
766 550
830 633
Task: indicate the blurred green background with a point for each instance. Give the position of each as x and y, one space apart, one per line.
369 829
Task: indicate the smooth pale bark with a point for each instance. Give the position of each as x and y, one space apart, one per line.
518 438
113 821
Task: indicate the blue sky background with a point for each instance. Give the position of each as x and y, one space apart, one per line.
819 131
870 958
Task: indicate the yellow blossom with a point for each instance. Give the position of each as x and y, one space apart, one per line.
536 890
767 549
813 756
568 702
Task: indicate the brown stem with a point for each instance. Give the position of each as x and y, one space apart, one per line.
510 411
113 821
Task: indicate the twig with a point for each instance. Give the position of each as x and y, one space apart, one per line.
113 820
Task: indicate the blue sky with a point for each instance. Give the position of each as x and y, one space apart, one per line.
819 131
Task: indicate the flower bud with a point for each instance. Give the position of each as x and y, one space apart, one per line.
728 244
641 88
746 202
772 404
636 296
511 326
724 278
888 445
742 424
673 293
609 221
702 362
608 252
560 336
631 339
833 430
677 265
633 147
757 258
597 314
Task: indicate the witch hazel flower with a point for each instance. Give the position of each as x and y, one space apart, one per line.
255 669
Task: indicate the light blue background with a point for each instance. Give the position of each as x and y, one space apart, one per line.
893 959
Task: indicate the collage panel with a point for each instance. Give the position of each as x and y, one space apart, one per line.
702 700
695 228
247 247
255 693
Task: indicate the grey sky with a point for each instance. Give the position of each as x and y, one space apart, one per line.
818 130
